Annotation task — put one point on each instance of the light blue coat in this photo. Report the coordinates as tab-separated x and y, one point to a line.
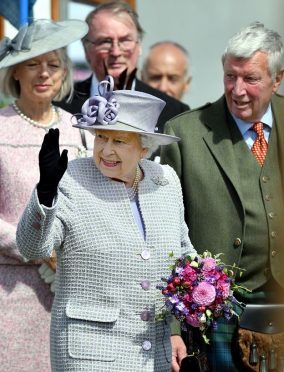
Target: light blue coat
100	304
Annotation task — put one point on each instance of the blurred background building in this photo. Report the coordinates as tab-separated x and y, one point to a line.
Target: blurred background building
203	27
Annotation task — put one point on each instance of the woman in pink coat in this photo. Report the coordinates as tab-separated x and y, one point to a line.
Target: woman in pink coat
36	71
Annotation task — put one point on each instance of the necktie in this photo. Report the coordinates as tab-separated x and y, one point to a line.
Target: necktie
259	147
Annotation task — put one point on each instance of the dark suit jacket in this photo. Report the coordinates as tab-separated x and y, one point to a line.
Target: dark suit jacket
82	92
205	161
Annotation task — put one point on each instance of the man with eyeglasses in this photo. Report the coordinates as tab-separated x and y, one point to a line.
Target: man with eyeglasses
113	46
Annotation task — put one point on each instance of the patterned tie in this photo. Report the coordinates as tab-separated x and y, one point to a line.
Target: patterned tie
259	147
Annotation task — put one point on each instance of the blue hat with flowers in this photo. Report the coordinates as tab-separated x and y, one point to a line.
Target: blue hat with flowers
123	110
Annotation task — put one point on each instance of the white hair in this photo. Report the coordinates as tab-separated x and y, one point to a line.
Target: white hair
150	143
256	37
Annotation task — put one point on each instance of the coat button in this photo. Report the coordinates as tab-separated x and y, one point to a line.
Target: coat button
271	215
145	315
273	253
267	197
237	242
265	178
145	254
273	234
146	345
36	225
145	284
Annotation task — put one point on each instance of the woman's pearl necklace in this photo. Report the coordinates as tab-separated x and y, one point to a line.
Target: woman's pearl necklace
132	191
37	123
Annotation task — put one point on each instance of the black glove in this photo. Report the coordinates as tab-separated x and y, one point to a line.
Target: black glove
52	166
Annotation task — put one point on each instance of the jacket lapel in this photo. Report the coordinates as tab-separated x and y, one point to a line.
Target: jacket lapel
219	140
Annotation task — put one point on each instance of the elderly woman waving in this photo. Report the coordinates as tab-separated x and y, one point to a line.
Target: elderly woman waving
113	220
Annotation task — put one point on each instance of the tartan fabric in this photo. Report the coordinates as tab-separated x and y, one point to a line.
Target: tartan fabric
223	352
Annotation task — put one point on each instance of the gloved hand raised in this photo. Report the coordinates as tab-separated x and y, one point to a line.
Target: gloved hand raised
52	166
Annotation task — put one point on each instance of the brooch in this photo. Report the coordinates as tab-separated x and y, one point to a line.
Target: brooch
161	181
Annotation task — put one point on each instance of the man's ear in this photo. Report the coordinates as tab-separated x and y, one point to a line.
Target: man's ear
278	79
187	85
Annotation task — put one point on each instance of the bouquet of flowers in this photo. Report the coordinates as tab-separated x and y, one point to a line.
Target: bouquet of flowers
200	290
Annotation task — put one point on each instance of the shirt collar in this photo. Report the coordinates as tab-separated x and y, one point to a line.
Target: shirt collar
244	126
94	86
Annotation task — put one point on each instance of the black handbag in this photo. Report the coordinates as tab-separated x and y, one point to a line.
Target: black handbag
196	360
195	363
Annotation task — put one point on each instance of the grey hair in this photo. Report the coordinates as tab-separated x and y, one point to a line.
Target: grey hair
150	143
116	7
11	87
253	38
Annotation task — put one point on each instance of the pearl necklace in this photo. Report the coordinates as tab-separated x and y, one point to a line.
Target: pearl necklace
34	122
132	191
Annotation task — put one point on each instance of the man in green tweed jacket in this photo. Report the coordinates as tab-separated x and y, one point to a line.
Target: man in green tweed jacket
233	203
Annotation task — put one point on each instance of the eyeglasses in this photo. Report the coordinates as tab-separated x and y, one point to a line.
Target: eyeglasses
105	45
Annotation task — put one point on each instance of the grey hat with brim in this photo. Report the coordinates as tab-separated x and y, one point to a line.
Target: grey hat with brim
40	37
123	110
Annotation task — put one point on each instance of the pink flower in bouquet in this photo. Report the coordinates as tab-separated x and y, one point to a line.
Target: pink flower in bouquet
187	297
189	273
224	288
193	320
209	264
204	294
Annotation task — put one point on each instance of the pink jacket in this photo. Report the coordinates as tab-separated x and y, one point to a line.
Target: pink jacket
25	300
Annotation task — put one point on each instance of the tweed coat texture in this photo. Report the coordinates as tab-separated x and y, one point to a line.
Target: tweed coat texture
25	299
102	262
205	161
